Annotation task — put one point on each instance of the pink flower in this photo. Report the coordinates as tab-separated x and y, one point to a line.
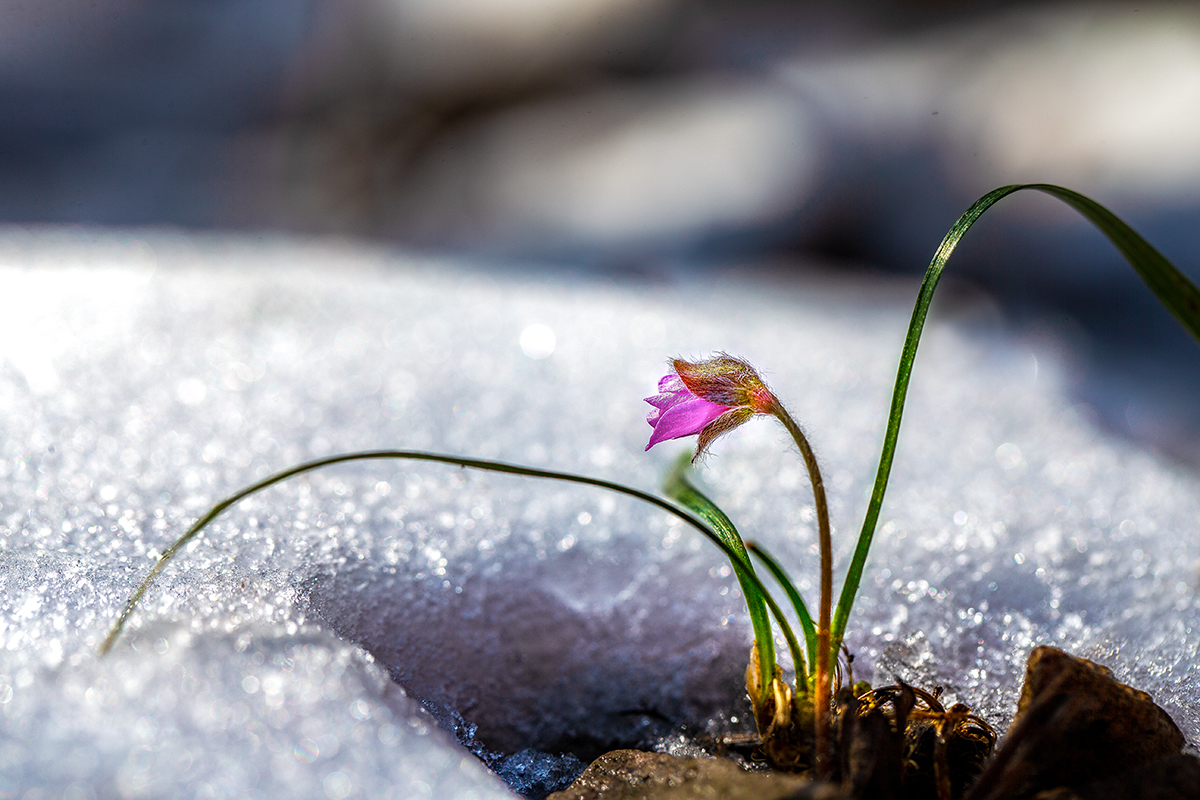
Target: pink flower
678	413
708	398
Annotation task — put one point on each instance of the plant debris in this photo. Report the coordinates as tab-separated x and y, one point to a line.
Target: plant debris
1078	734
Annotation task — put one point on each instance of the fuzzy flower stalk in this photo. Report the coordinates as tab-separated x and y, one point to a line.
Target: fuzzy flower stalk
708	399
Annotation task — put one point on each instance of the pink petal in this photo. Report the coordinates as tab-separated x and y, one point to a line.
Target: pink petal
685	418
668	400
672	392
670	383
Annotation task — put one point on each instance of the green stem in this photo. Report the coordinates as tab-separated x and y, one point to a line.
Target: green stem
417	455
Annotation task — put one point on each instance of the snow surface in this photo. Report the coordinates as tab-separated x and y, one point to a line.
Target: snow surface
142	379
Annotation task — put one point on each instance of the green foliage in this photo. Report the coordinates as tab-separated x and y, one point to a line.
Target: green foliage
736	556
789	588
1172	287
1177	293
681	490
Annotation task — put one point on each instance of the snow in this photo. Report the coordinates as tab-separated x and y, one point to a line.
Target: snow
363	630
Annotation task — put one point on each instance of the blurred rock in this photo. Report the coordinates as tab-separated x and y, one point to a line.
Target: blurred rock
1173	778
633	136
613	169
434	47
1076	725
1104	98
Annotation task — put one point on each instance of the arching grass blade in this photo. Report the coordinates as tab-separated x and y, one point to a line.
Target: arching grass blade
681	490
1172	287
789	588
418	455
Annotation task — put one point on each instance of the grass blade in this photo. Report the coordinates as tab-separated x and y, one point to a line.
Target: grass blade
419	455
1172	287
681	490
806	620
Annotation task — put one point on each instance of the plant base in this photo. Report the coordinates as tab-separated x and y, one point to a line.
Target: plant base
1078	734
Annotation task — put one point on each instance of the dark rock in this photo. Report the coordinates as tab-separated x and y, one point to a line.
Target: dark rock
634	775
1077	727
1171	778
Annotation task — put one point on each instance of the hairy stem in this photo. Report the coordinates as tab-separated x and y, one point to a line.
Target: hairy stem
825	541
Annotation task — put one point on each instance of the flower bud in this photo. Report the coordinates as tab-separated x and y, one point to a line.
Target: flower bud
707	398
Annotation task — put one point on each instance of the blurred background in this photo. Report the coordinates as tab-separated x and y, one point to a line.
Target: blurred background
651	140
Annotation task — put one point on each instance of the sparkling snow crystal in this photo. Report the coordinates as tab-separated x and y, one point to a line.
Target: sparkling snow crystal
362	631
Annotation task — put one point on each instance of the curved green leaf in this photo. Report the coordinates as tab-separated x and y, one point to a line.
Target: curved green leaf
789	588
1172	287
418	455
681	490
